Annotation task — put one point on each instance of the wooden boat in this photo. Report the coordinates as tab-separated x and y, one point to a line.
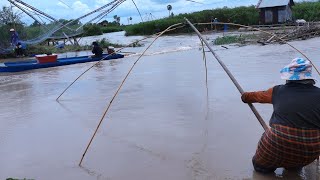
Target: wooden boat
47	63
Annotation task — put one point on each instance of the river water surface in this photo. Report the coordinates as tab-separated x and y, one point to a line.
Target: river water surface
162	125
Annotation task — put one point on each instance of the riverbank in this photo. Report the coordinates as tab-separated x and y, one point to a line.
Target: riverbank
241	15
161	126
120	40
219	38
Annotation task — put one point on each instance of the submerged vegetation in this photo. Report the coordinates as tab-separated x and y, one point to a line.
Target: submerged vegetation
242	39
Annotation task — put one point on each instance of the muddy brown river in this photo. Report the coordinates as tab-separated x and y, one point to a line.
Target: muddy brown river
161	126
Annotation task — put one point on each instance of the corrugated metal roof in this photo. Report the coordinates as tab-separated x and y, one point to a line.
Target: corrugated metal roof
273	3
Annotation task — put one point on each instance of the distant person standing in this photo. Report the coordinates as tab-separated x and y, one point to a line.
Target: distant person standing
225	27
14	37
215	21
14	40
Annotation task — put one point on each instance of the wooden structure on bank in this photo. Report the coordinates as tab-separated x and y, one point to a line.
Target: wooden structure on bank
76	38
275	11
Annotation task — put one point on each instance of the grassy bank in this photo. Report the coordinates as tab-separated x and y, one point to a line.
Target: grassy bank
94	29
240	15
243	15
112	29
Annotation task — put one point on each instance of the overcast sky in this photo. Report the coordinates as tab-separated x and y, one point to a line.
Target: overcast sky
150	9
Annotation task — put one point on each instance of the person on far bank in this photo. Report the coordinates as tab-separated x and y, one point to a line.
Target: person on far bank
215	21
96	50
293	139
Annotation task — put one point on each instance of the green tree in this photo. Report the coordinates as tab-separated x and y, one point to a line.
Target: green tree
7	16
115	18
92	29
35	24
118	20
308	11
169	7
9	19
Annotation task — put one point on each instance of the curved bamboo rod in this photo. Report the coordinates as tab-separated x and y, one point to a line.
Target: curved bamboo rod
119	88
254	110
57	99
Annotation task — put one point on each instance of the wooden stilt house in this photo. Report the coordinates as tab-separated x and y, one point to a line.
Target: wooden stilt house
275	11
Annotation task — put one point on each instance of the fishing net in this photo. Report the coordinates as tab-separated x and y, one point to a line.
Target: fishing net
49	27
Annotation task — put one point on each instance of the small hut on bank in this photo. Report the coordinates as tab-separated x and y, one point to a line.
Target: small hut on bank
275	11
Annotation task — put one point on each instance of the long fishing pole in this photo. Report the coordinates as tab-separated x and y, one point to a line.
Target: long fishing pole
254	110
272	34
138	10
119	88
172	29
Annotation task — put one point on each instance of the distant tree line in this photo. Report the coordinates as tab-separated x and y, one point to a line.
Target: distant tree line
246	15
309	11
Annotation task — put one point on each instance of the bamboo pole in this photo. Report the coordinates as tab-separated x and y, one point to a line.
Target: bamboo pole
124	80
137	10
254	110
205	65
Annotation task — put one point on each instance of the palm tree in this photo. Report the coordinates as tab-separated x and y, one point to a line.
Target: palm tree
169	7
115	17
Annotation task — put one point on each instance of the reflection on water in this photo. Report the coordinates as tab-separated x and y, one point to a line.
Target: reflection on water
161	126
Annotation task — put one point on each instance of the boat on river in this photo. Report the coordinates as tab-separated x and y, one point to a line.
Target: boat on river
47	61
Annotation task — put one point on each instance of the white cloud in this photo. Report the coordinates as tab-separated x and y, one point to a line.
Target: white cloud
62	5
102	1
79	6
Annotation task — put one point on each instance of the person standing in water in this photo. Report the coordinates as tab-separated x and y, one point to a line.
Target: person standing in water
293	140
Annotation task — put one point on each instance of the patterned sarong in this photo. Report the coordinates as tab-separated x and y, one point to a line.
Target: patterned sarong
287	147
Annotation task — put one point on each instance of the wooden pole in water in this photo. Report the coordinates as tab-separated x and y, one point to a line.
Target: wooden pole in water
254	110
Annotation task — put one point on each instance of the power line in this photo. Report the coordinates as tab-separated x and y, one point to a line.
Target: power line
65	4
